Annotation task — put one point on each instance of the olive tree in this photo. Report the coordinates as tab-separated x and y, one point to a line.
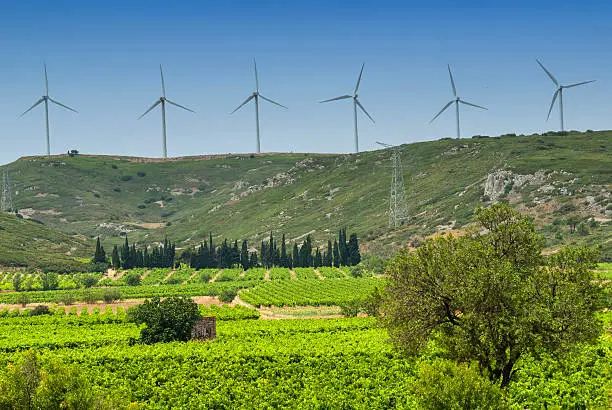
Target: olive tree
166	320
491	296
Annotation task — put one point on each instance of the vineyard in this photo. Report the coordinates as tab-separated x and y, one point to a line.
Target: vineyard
337	363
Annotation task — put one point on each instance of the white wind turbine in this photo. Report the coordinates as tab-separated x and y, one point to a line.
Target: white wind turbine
455	101
256	96
355	104
163	100
46	99
559	93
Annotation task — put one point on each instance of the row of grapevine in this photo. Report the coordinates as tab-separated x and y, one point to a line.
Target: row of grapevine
310	292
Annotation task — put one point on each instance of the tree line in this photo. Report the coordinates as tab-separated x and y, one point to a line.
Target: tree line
340	252
129	257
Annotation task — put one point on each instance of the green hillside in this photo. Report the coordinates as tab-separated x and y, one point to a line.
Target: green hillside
26	243
551	177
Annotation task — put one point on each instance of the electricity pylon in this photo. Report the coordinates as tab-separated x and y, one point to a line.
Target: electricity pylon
398	207
6	204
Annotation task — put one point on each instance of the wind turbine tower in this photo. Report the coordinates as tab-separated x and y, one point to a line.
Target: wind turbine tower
455	101
6	204
163	100
398	206
46	99
356	104
559	93
256	96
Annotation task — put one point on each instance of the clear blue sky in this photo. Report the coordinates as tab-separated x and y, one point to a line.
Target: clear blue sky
103	58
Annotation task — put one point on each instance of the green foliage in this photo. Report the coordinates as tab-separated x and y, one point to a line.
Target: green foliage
350	308
491	297
444	385
66	298
132	279
166	320
227	295
111	295
40	310
23	299
50	280
88	281
26	384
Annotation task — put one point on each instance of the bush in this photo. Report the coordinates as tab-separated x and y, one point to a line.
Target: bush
357	271
227	295
66	298
23	299
173	281
166	320
88	281
351	308
91	296
26	384
40	310
50	281
132	279
204	278
17	282
111	295
446	385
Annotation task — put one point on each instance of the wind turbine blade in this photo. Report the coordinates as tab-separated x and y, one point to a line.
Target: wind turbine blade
344	97
273	102
245	101
256	76
554	80
153	106
384	145
46	80
452	81
576	85
442	110
364	110
473	105
359	79
162	80
62	105
30	109
552	104
178	105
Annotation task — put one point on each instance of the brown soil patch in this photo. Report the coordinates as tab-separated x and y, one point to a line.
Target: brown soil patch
292	273
319	274
216	276
267	275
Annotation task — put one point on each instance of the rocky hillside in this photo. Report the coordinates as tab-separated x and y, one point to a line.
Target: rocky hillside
562	181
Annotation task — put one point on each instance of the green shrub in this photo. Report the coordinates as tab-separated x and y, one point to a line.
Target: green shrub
166	320
111	295
351	308
40	310
66	298
88	281
91	296
446	385
227	295
132	279
23	299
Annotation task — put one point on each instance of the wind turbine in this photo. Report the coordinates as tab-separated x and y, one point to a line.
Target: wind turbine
45	99
163	100
355	104
456	101
256	95
559	92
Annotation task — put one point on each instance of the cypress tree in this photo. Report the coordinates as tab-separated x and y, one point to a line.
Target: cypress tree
353	247
283	254
125	254
329	257
318	260
296	256
253	261
244	255
344	254
236	254
264	254
211	252
99	255
115	258
336	255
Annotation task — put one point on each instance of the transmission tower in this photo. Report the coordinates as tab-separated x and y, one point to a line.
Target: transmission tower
6	204
398	207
